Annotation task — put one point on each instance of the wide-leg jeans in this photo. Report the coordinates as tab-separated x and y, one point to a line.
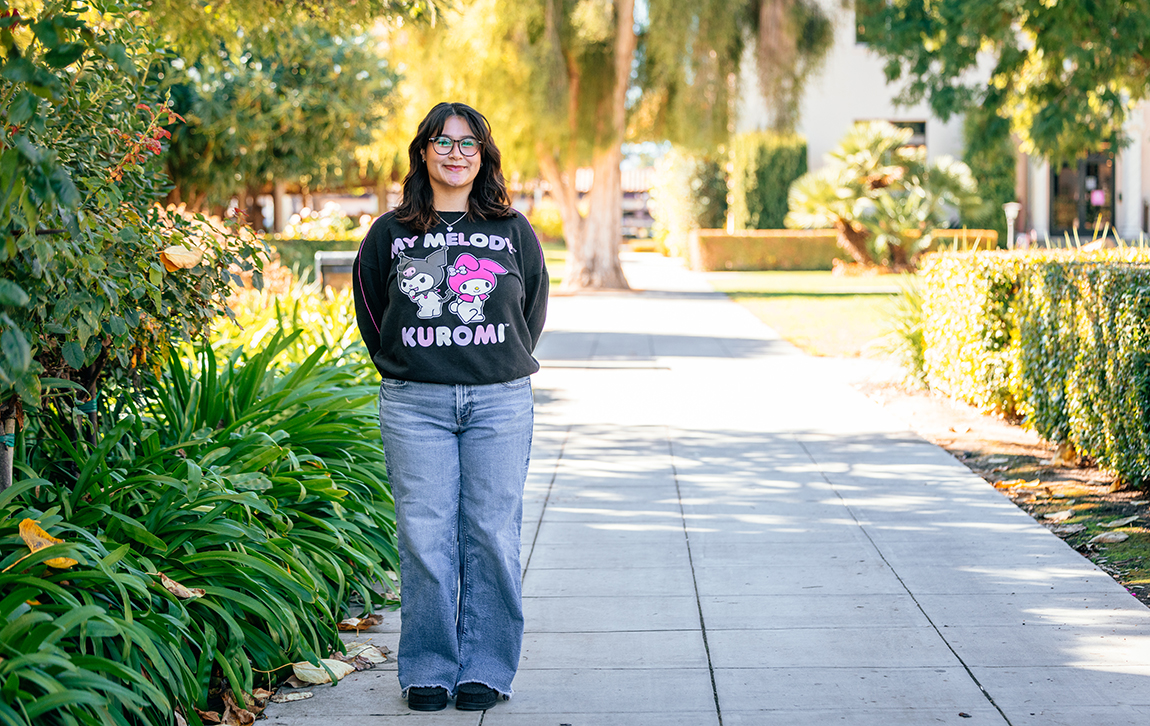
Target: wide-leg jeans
457	459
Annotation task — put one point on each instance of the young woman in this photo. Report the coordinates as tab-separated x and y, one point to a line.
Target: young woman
450	297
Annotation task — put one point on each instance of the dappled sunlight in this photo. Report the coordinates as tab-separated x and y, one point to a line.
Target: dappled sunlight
613	527
1088	617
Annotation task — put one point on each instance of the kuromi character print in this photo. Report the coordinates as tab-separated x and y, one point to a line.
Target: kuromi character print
418	279
471	280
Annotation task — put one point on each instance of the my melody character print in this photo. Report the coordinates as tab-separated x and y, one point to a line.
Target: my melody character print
418	279
471	280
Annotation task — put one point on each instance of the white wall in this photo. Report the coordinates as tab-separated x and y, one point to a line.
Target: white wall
850	87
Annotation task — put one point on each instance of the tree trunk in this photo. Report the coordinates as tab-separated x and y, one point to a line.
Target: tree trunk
853	240
593	263
593	252
280	205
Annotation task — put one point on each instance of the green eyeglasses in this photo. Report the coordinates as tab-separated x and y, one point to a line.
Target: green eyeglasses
468	146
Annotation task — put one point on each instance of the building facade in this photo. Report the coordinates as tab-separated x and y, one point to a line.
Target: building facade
1057	198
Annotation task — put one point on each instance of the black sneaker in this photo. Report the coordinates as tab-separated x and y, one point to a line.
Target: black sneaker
475	697
433	698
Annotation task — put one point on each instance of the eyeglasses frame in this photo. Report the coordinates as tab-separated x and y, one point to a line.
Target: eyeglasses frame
455	143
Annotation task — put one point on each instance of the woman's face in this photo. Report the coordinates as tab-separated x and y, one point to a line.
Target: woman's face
452	172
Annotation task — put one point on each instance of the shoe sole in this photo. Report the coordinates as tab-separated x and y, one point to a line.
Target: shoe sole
427	706
475	706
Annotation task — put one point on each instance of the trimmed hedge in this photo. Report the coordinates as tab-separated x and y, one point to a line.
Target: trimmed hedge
763	166
768	249
1058	338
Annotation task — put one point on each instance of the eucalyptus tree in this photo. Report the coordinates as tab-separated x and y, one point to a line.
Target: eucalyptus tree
566	82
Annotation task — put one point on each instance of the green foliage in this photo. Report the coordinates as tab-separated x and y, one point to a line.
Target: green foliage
906	342
296	110
262	483
88	293
1067	74
690	192
764	165
1057	338
989	152
883	192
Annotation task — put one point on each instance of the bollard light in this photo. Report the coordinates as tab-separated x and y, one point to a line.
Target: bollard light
1011	209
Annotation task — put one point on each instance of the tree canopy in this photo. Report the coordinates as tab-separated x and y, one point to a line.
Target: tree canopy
1065	73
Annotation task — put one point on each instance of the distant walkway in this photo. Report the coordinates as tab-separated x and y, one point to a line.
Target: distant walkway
718	530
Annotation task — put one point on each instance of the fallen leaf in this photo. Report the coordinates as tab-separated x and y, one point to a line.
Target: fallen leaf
178	257
1110	538
37	539
180	720
1059	516
1065	455
358	624
184	593
309	673
261	694
289	697
209	716
1121	522
234	714
367	651
295	682
1068	529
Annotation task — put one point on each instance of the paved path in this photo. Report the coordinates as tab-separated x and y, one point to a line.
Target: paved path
718	530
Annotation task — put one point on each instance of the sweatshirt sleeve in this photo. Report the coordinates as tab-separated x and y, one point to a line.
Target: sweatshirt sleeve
369	299
536	287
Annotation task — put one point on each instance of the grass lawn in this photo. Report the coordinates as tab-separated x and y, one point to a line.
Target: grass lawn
555	255
817	311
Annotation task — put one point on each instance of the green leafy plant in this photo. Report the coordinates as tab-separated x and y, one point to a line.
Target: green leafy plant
690	192
883	198
1055	338
764	164
100	280
261	483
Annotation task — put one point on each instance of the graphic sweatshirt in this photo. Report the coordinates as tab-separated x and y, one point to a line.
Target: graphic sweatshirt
458	304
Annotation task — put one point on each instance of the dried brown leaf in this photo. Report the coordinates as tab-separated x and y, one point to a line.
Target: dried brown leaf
209	716
358	624
184	593
289	697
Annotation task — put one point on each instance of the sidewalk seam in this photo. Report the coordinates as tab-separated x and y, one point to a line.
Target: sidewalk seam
694	580
546	500
965	667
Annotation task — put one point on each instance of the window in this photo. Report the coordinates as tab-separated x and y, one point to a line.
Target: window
1082	194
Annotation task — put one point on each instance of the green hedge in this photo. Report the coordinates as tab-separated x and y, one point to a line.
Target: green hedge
763	166
1059	339
767	249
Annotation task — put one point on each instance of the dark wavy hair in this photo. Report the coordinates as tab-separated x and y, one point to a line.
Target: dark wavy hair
488	199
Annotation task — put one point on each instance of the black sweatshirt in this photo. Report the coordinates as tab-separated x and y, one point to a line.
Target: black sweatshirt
464	306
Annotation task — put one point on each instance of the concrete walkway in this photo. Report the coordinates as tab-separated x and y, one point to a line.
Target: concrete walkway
719	530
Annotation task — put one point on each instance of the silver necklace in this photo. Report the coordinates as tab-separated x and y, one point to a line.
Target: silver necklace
452	224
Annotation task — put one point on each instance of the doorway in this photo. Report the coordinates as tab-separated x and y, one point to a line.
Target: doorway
1082	195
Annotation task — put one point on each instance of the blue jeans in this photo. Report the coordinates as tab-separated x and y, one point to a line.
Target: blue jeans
457	460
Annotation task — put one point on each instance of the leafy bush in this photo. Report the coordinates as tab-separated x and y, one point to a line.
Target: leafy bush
764	164
990	154
1057	338
690	192
96	276
262	483
884	198
764	249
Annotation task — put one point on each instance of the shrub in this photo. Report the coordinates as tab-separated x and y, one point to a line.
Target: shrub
690	192
1058	338
763	166
884	198
262	483
767	249
990	155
